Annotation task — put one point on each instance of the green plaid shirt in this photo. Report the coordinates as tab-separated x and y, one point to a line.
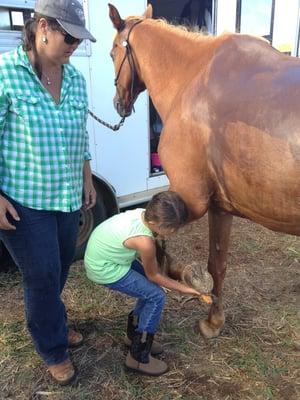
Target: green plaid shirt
43	145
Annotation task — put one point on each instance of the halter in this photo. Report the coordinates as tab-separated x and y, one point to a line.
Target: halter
132	68
129	56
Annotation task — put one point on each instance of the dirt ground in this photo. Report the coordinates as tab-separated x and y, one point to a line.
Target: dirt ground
256	357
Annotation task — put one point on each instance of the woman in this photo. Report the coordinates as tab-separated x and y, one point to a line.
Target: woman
44	168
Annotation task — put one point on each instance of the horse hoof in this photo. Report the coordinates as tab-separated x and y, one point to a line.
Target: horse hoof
198	277
208	331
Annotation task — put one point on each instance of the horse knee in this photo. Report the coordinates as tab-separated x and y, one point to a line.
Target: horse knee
216	268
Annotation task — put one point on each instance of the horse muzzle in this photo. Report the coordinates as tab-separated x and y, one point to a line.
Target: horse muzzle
121	108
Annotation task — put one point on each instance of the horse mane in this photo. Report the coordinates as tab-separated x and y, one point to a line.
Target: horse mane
191	32
188	29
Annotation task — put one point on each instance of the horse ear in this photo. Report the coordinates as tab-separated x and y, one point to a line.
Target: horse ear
149	12
117	21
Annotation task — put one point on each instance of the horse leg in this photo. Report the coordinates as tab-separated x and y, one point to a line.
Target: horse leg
219	233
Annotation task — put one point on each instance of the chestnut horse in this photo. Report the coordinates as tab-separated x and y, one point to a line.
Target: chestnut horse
230	143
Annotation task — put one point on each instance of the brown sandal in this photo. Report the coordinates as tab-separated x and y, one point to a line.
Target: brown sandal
62	373
75	339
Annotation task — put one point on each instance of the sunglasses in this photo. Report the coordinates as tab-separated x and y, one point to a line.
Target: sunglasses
68	39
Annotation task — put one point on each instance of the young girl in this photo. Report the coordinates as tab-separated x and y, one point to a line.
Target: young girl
110	259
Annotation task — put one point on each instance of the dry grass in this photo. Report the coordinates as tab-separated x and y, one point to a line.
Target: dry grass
255	357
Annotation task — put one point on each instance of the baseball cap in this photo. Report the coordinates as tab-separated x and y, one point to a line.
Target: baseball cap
68	13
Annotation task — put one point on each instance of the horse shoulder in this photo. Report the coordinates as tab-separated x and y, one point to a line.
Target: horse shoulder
183	157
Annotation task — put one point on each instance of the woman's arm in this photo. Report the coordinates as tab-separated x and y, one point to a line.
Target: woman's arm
5	206
4	104
146	248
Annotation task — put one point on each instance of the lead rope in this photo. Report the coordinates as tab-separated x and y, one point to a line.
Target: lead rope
115	127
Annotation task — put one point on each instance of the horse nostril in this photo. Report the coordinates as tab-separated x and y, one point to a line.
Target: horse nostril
118	107
116	104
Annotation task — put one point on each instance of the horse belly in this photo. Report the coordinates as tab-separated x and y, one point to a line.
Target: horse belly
258	176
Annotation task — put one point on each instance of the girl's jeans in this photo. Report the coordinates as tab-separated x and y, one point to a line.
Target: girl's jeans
150	297
43	247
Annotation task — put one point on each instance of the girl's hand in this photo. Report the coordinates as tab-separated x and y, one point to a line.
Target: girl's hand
192	291
206	298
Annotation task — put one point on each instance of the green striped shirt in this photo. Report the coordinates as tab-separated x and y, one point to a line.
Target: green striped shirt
43	145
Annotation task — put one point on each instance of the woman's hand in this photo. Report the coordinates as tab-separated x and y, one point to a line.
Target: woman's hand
89	192
7	208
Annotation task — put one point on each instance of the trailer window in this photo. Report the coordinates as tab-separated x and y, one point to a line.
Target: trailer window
298	42
155	131
256	17
13	15
13	19
196	15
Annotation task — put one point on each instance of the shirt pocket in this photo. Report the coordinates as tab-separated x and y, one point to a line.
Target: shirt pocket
26	107
78	110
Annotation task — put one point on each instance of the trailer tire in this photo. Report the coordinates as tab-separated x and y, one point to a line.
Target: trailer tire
88	221
6	262
106	206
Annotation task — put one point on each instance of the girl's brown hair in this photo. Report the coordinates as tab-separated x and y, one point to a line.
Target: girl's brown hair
168	210
29	34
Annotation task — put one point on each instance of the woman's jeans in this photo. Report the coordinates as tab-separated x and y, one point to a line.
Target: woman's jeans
151	297
43	247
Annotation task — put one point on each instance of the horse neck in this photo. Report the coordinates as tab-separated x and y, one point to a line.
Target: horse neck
164	61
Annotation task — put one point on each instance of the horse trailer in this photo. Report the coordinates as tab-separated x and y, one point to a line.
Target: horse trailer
125	164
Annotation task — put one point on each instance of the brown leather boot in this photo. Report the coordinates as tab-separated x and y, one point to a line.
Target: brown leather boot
132	324
75	339
62	373
138	358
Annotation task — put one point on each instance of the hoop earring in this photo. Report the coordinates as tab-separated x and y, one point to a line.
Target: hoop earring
45	40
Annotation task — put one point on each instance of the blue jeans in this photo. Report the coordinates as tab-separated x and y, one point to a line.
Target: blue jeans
43	247
151	297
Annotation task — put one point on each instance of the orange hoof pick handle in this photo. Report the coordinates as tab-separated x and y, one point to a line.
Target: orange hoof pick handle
206	298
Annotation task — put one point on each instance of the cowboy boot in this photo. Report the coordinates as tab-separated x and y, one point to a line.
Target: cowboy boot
139	359
132	324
